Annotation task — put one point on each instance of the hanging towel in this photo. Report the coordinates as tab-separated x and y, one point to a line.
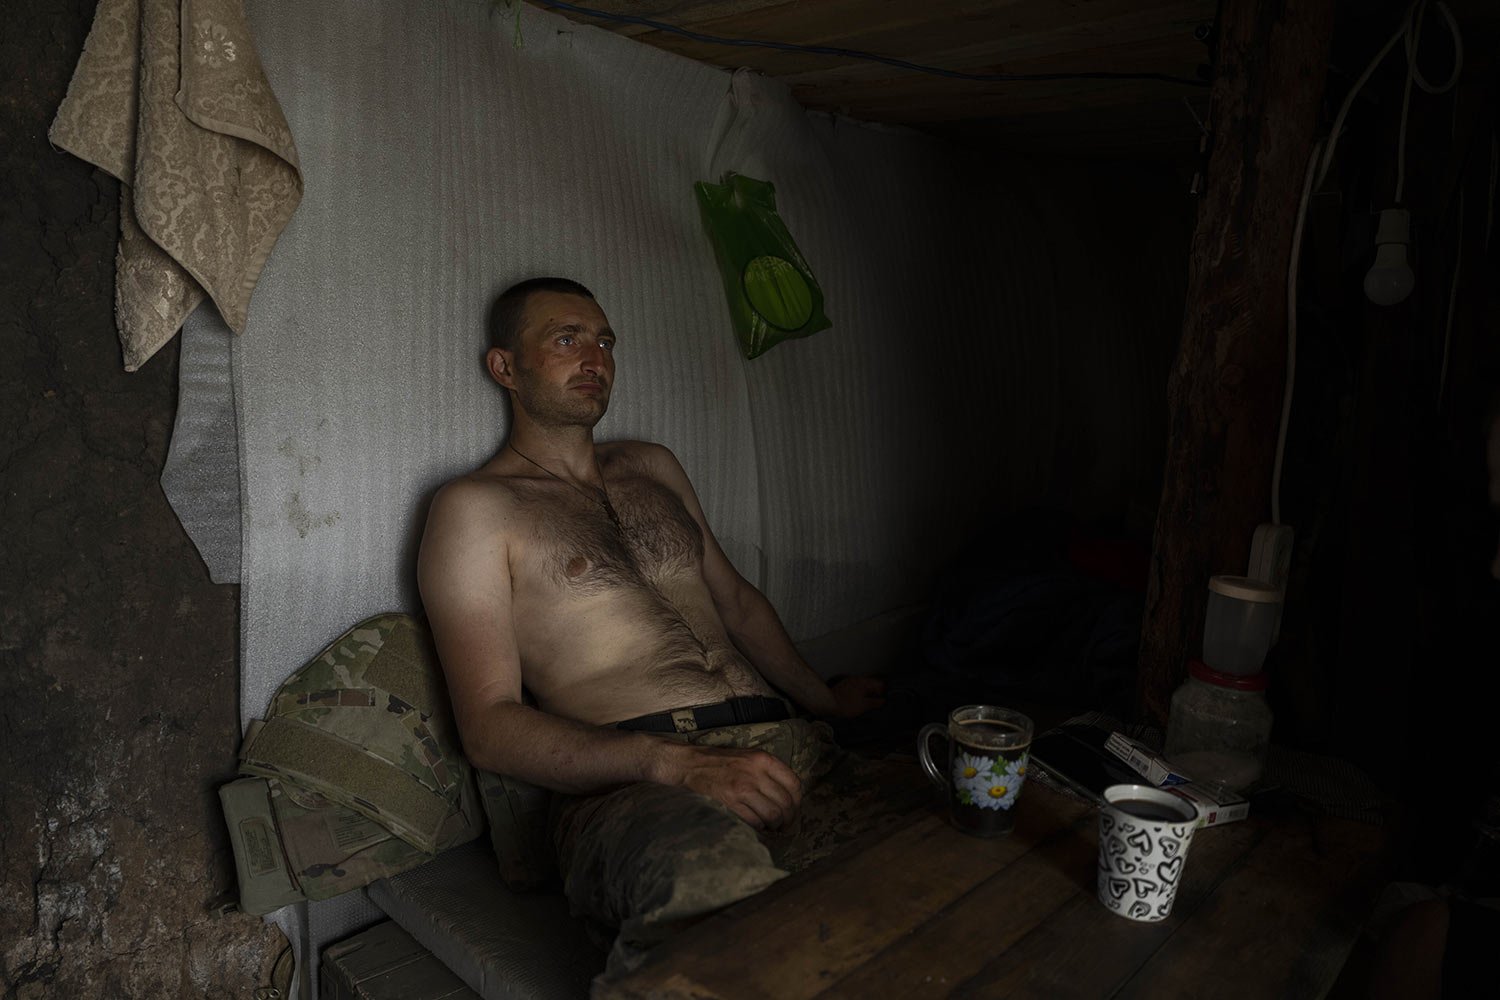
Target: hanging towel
169	97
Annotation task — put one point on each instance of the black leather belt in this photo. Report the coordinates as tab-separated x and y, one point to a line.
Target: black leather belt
734	712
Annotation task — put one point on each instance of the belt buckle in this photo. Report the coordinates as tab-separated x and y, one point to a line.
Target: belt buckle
685	720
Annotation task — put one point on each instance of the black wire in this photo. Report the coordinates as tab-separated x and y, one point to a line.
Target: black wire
830	50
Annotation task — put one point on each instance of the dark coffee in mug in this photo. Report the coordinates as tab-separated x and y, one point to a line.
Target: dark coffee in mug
988	748
1153	812
987	766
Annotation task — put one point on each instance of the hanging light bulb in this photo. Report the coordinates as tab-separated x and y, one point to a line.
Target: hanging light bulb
1389	279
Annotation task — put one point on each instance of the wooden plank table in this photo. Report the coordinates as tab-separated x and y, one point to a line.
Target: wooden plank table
1268	907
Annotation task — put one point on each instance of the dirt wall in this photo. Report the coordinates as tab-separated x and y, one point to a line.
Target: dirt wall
117	655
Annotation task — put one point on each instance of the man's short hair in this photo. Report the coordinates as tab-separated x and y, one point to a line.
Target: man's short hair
509	309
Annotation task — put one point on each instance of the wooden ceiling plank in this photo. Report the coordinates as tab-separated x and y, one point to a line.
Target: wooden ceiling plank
1160	57
924	32
963	53
905	109
1172	43
679	13
873	98
1166	55
1172	53
1136	118
829	20
920	30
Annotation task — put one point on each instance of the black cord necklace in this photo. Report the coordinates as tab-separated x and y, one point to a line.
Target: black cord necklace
609	508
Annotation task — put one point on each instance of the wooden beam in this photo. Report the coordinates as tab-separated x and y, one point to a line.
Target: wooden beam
1224	392
965	102
1119	36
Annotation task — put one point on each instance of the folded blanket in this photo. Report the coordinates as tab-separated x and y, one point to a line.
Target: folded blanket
169	97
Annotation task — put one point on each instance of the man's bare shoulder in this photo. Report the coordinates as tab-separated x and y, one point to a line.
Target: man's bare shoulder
479	499
640	458
469	531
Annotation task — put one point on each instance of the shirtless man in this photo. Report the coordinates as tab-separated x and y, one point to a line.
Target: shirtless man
587	572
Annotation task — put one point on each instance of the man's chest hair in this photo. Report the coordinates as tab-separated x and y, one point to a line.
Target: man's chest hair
574	545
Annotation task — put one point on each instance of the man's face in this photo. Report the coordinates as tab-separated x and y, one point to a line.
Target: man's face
563	367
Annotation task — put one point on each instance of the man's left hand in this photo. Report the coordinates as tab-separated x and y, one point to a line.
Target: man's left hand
855	695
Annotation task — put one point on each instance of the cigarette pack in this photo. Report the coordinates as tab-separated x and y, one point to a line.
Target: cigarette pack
1214	808
1150	765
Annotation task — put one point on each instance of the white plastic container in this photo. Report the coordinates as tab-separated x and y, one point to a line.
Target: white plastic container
1219	729
1240	625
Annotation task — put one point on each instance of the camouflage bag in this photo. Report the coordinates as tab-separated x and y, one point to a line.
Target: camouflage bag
265	879
291	844
361	774
366	724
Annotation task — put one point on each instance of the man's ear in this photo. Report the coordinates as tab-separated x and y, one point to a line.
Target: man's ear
501	364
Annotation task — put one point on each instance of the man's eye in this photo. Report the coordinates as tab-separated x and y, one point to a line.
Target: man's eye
608	345
565	341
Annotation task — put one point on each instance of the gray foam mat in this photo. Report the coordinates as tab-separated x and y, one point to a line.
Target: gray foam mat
448	152
504	945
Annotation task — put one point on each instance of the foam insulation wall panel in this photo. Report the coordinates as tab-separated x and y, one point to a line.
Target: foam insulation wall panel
444	161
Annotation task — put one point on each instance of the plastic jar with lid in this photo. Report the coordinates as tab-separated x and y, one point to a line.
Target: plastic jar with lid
1219	728
1240	624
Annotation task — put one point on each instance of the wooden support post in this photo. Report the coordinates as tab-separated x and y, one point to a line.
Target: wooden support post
1224	392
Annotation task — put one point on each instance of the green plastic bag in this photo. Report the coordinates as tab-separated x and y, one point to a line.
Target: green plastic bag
772	293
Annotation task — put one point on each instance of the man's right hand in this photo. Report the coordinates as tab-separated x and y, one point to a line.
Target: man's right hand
753	784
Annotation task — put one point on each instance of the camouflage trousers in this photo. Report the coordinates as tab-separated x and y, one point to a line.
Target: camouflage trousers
652	859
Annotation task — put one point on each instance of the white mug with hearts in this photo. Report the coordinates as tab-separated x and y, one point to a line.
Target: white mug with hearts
1144	835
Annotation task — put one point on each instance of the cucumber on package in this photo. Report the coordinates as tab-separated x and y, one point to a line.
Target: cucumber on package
772	293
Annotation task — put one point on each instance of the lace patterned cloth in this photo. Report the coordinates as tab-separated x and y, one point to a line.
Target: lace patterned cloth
169	97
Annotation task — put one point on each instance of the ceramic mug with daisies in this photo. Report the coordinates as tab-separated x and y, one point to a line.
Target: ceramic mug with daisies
987	752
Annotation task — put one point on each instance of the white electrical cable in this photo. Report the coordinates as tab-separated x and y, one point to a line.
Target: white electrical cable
1458	56
1338	121
1409	31
1458	266
1313	179
1413	39
1458	263
1489	211
1291	332
1414	75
